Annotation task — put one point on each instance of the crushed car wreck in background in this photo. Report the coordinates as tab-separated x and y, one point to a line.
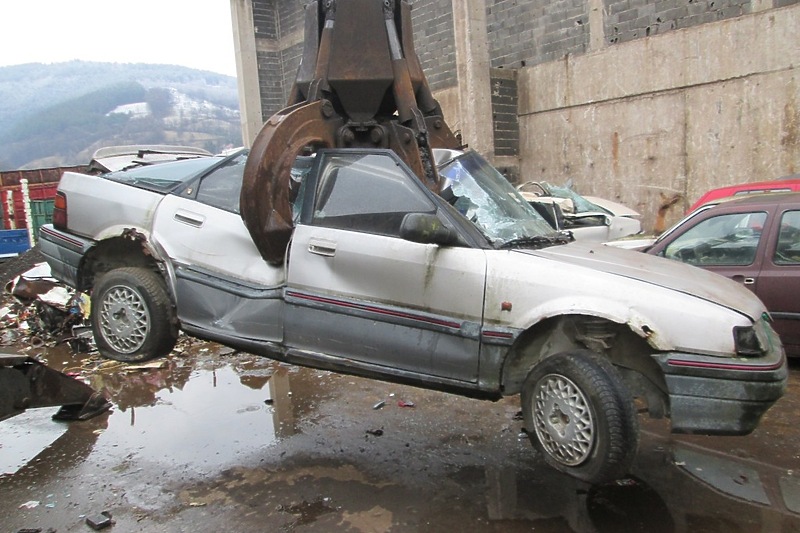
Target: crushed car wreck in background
567	210
372	262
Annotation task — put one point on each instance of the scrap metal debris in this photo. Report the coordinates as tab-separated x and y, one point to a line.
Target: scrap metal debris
32	504
101	521
26	383
38	308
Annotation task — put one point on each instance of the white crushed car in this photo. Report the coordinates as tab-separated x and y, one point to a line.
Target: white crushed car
469	291
589	219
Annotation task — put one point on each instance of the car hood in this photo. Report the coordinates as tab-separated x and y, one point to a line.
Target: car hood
657	271
614	208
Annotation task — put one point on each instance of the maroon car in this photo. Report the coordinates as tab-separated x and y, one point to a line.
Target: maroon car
754	240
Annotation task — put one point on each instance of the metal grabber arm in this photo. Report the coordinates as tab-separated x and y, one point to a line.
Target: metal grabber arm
360	84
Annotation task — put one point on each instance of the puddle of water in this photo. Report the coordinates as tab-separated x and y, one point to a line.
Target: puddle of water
178	416
439	466
204	423
24	436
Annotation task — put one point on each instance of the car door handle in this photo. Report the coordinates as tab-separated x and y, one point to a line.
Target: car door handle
322	247
743	280
189	218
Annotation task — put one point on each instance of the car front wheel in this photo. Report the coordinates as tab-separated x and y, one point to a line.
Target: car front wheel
579	414
132	315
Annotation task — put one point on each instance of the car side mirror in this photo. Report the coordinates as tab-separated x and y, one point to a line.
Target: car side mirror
567	205
426	228
551	212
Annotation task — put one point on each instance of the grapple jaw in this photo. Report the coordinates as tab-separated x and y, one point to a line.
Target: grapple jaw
26	383
360	84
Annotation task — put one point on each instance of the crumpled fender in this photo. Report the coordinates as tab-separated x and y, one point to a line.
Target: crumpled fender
640	324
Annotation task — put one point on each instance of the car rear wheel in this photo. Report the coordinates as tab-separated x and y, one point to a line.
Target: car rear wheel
132	315
579	414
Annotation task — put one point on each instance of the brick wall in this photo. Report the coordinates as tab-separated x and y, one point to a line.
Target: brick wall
434	41
627	20
264	19
270	83
277	20
504	112
528	32
520	32
291	16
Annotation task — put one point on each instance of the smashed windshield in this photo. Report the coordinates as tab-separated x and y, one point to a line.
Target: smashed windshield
483	195
582	205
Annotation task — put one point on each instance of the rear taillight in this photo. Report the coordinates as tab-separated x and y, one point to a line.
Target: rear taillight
60	211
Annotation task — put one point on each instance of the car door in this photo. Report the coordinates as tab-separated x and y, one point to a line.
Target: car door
779	280
730	243
356	290
222	283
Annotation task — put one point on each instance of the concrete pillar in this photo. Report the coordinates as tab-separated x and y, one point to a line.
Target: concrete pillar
472	67
597	27
244	42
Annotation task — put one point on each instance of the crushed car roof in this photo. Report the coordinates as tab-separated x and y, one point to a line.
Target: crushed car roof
112	158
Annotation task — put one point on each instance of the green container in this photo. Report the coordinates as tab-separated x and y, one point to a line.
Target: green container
41	214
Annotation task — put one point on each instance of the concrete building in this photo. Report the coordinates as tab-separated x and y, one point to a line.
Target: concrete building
634	100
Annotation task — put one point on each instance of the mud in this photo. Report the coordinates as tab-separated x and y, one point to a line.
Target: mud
211	440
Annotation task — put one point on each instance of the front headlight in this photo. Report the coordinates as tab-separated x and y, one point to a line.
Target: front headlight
747	342
753	341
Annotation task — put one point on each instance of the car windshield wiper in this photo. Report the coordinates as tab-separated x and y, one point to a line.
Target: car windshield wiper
539	241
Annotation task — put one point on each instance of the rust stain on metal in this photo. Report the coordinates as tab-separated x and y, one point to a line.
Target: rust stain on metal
666	204
137	236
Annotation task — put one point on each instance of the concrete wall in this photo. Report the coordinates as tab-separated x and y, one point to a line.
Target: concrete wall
675	114
635	100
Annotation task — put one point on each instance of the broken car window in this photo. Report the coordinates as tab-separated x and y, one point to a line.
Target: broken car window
367	192
581	204
221	188
484	196
164	177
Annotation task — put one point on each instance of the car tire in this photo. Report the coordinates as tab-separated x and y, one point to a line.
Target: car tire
579	414
132	316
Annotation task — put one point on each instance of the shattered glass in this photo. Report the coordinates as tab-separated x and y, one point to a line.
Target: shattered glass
582	205
484	196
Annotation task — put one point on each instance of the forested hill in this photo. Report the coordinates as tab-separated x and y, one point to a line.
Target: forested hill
58	114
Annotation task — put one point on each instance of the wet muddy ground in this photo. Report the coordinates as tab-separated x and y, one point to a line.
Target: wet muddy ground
212	440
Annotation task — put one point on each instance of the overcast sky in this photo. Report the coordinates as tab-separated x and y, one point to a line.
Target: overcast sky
191	33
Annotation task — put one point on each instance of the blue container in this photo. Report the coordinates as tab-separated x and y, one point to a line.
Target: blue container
13	242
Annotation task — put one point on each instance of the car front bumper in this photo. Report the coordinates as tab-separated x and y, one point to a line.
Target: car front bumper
722	396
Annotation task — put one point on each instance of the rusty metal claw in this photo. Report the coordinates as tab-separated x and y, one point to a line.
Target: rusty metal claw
265	204
360	84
